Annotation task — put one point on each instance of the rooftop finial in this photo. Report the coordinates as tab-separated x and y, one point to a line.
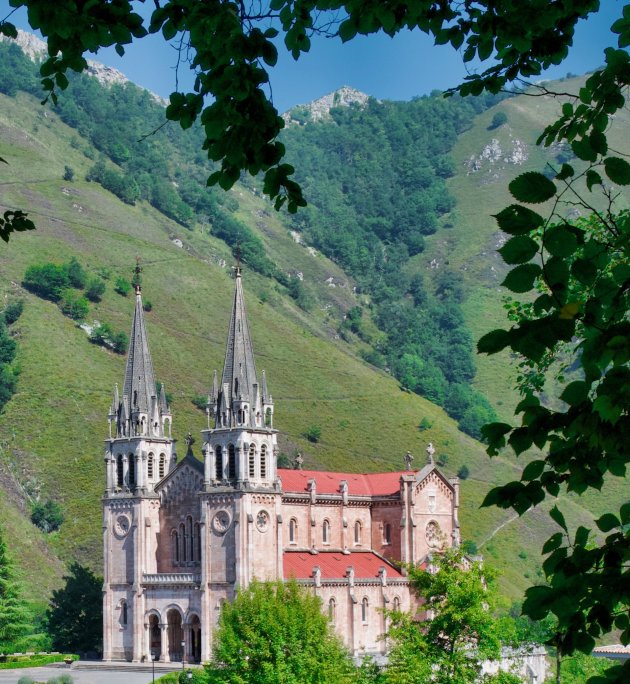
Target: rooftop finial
136	280
237	254
190	440
431	452
408	460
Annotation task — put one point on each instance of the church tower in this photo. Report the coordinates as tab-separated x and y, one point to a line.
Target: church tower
139	453
241	491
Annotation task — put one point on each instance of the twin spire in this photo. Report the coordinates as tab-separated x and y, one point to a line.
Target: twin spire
238	401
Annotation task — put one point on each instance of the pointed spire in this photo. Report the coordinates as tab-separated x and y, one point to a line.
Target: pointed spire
265	392
163	404
115	401
139	385
239	369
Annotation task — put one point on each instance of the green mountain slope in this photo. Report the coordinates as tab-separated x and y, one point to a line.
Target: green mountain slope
51	430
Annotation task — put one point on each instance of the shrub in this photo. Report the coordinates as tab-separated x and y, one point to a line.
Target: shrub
283	461
13	311
313	433
442	460
76	274
498	120
122	286
47	516
46	280
95	289
463	473
120	343
425	424
68	173
74	306
469	547
146	305
200	401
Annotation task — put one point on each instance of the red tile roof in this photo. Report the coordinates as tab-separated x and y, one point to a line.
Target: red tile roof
334	564
372	484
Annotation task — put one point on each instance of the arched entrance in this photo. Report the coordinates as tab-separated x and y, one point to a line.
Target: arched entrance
194	653
155	637
175	635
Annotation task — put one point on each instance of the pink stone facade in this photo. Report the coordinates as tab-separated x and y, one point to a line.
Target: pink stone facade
180	536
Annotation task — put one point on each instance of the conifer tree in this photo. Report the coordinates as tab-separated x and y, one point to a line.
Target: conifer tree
14	616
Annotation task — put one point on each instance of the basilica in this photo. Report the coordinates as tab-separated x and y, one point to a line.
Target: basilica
182	534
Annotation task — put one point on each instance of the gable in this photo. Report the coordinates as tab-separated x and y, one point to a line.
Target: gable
181	484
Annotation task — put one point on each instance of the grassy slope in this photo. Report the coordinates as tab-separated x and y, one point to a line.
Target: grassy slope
470	248
53	427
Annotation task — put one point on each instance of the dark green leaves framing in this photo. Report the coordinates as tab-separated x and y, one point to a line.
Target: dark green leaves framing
532	187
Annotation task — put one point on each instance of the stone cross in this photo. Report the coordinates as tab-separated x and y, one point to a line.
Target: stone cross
431	451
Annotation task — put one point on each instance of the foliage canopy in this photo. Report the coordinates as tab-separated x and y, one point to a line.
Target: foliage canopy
275	633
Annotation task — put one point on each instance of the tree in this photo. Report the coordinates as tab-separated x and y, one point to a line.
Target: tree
231	47
14	616
68	173
498	120
95	289
122	286
48	515
76	273
276	633
75	614
460	631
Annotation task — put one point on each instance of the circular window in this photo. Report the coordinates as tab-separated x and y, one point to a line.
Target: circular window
122	525
434	535
221	522
262	521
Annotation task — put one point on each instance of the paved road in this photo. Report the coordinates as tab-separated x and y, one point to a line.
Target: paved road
43	674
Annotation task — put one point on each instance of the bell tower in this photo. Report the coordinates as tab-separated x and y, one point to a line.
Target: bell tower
140	452
241	491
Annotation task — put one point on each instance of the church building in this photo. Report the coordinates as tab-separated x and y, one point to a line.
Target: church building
181	535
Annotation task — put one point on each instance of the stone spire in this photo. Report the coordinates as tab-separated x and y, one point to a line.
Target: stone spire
238	400
141	410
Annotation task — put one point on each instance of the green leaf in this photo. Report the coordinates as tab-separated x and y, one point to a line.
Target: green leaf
518	220
493	342
592	178
519	250
560	241
556	515
625	513
533	470
347	30
618	170
120	49
565	172
521	279
607	522
532	187
554	542
575	393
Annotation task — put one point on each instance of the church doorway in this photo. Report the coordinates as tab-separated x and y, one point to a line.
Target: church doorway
155	637
195	639
175	635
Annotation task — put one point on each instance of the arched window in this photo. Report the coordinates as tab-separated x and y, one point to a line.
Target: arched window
162	466
231	462
251	460
150	467
182	543
364	610
326	532
387	533
293	531
357	532
120	473
175	543
268	417
396	605
197	542
124	615
263	461
191	540
236	387
332	610
132	470
218	463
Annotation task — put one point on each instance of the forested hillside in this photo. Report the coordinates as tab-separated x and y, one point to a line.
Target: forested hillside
367	297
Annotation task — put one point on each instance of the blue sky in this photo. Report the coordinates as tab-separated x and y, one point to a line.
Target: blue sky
396	69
